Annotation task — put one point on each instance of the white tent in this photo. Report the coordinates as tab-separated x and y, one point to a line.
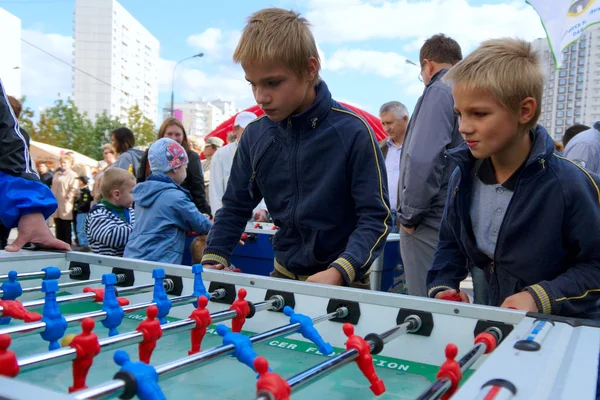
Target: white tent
48	153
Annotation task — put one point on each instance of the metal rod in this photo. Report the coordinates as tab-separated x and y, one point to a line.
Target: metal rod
318	371
33	289
187	363
114	342
27	276
442	385
73	298
37	327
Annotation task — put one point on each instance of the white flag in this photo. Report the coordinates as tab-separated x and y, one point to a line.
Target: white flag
565	21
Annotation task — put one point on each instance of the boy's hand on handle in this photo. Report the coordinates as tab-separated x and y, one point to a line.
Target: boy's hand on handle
521	301
213	266
452	293
330	276
33	229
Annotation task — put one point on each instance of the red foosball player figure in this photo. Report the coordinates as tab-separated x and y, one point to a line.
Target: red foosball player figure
8	359
450	369
203	319
87	346
364	359
14	309
270	383
242	309
152	331
99	292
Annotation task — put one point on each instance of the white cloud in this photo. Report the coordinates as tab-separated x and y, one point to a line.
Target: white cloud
362	20
385	64
216	43
193	84
44	77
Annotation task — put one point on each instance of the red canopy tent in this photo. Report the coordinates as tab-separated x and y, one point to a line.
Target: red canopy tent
223	130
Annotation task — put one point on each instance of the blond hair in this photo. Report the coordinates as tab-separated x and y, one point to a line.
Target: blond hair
67	158
509	68
277	36
114	179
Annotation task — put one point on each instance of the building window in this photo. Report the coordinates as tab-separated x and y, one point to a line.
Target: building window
560	114
572	72
551	77
577	120
561	97
578	112
573	47
562	74
578	104
581	62
572	80
559	122
560	106
579	95
558	131
569	122
580	86
569	113
569	105
573	56
562	82
571	89
571	97
582	43
580	70
562	90
582	53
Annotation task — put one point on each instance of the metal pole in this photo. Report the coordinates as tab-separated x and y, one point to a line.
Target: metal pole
114	342
173	80
442	385
27	276
411	324
185	364
37	327
72	298
33	289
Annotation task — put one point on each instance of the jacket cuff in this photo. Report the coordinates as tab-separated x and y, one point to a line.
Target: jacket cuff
347	266
542	295
415	215
213	257
440	286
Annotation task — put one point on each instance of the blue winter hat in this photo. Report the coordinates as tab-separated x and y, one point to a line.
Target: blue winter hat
165	155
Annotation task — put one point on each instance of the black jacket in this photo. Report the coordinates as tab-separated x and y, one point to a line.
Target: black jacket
323	179
548	242
194	182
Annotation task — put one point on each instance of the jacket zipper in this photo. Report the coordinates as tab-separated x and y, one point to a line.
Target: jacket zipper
262	157
296	194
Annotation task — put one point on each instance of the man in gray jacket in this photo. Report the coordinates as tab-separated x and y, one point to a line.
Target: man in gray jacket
424	171
584	149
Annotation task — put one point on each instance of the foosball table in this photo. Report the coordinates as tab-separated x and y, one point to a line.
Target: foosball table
82	326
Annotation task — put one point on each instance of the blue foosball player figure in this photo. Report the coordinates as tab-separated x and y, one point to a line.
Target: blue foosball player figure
243	346
308	330
138	375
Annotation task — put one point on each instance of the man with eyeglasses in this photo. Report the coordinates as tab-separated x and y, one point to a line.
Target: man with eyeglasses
424	172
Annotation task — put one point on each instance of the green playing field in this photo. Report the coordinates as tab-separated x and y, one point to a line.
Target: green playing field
226	378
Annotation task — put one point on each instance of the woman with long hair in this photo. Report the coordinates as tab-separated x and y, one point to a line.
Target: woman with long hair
123	140
194	183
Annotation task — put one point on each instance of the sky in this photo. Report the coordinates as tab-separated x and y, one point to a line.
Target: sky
364	44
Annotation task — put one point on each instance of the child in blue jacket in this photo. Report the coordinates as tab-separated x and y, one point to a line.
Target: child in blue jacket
516	209
164	210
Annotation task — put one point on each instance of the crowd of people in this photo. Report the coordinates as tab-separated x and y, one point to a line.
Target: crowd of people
470	181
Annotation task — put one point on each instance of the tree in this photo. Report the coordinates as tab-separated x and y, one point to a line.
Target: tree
102	128
141	126
64	126
26	120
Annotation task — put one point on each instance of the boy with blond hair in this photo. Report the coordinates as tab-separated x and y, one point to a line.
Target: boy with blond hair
515	207
316	164
110	222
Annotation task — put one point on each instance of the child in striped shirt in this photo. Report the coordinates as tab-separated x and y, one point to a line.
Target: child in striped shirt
110	222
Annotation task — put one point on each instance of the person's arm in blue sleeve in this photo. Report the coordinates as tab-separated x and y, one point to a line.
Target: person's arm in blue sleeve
231	219
26	202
